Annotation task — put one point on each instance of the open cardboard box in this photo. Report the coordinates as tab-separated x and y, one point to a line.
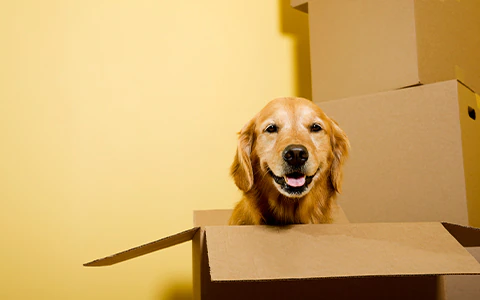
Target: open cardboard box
369	46
328	261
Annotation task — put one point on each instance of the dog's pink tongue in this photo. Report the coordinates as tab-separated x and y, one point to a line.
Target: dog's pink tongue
295	181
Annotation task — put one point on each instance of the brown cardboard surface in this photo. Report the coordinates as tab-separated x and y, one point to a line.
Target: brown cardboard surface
211	217
338	215
202	285
334	250
407	161
214	217
468	99
448	35
162	243
464	287
364	47
360	47
357	286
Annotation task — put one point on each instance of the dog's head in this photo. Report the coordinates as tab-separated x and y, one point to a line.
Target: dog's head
290	145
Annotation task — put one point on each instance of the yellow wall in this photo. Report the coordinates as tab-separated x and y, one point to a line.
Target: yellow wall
117	119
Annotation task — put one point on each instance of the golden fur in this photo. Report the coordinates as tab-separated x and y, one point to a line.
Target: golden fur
259	160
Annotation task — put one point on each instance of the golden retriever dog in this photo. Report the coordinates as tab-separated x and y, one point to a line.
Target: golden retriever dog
288	165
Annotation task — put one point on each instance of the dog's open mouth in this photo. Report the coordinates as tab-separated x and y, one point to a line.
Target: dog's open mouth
294	183
295	179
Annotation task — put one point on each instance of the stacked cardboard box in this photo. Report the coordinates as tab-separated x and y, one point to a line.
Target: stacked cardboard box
402	78
369	46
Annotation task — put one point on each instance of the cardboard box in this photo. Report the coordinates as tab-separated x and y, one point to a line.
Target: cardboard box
363	47
464	287
415	154
332	261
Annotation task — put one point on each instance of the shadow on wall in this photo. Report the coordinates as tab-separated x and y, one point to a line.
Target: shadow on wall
294	23
177	290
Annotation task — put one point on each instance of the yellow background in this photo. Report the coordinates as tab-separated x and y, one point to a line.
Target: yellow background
117	119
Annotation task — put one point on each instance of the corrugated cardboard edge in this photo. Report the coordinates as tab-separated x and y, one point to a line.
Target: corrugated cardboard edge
438	275
162	243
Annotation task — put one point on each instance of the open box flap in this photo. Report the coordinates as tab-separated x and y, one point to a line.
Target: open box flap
162	243
465	235
239	253
212	217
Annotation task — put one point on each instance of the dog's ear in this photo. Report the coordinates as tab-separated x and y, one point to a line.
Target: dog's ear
241	169
340	148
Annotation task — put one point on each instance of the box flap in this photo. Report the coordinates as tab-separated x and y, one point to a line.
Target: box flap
465	235
334	250
213	217
162	243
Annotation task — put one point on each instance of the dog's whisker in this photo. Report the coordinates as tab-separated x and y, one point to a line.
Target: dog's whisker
262	173
265	173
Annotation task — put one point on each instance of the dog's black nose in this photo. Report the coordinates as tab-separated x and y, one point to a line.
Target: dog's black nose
295	155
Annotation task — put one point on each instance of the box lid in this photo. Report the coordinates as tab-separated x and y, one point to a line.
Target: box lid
162	243
238	253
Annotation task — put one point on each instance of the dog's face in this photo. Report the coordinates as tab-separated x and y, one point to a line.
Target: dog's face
291	144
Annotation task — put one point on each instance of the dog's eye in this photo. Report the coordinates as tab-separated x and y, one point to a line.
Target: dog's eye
315	127
271	128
